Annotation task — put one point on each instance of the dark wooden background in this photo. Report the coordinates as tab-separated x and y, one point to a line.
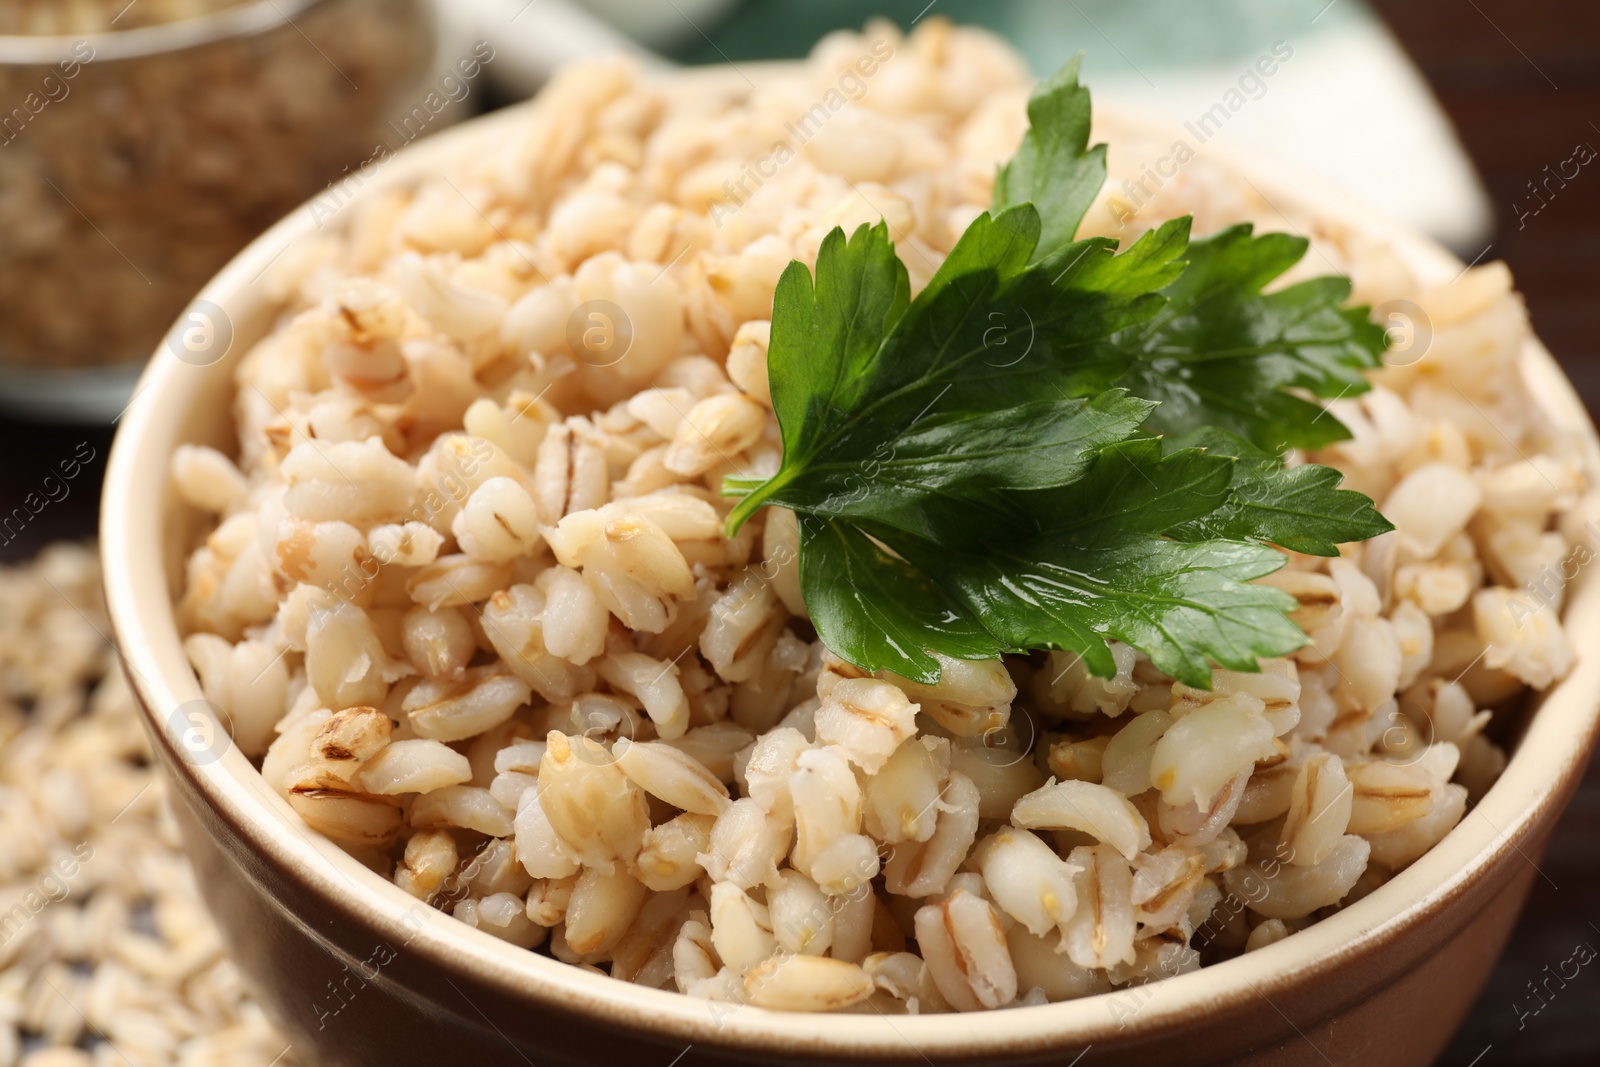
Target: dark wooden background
1521	80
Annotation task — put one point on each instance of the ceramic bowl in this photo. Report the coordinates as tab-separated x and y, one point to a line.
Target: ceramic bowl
359	974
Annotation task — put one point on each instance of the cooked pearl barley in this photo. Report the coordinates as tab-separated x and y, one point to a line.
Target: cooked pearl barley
1268	933
591	804
746	845
437	643
1401	846
1164	886
1081	761
1369	664
705	745
905	977
405	544
1096	810
694	961
573	622
502	915
601	908
345	659
1522	636
248	681
331	807
548	899
1413	631
1431	505
902	799
644	955
741	928
643	552
672	776
1205	749
632	564
416	765
667	858
1040	965
1003	776
352	735
655	684
680	516
827	802
457	579
208	479
430	858
806	983
570	474
1280	891
1319	810
465	806
1027	879
358	482
856	916
456	709
1125	765
1276	685
540	849
1194	824
498	522
971	699
743	626
846	865
923	869
1387	795
1099	933
747	361
715	430
714	747
866	718
768	770
1067	684
513	621
965	949
802	916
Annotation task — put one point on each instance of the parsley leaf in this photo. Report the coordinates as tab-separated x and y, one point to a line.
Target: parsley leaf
1300	508
1224	353
1099	567
881	609
1054	165
973	470
940	414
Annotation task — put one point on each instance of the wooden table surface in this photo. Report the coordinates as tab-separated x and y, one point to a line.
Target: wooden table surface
1521	80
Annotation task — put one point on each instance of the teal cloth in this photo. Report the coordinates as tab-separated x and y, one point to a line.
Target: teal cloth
1117	35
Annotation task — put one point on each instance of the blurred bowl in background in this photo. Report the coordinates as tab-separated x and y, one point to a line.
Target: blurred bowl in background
135	163
662	26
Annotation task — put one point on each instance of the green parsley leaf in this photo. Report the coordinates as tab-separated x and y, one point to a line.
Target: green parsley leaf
1224	353
881	609
1054	165
965	395
1183	605
972	469
1098	570
1301	508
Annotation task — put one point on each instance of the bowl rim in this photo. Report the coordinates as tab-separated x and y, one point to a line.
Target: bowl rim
1550	755
243	20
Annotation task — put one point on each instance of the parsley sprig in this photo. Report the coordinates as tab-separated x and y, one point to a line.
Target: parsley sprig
1055	443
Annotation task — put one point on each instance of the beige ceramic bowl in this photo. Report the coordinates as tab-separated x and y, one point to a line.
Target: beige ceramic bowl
358	973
